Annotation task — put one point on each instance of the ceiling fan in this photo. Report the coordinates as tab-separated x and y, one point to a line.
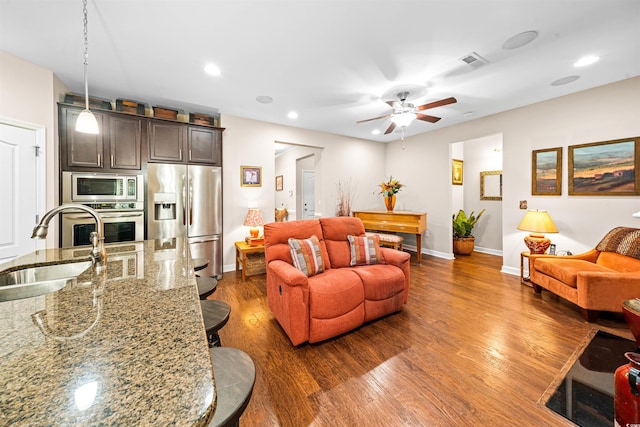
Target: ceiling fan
404	112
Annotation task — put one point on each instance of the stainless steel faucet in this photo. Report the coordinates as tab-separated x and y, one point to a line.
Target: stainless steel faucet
98	252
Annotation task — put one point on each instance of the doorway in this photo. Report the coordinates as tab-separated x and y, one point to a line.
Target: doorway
308	194
22	173
295	193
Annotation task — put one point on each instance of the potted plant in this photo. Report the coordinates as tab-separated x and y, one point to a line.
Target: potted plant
463	241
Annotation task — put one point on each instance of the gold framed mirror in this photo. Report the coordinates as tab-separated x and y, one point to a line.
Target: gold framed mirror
491	185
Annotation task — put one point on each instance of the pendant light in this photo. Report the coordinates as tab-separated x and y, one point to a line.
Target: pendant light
86	122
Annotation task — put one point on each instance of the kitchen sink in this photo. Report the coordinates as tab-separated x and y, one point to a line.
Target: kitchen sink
39	280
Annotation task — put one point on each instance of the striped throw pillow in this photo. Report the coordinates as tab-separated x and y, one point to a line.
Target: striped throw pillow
306	255
365	250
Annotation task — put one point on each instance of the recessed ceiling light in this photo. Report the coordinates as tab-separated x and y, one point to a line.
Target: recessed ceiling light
586	60
468	114
263	99
565	80
292	115
520	40
212	69
375	132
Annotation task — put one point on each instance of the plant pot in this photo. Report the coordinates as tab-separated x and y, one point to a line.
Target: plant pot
463	245
390	202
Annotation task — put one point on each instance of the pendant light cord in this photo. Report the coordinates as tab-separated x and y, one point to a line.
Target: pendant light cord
86	54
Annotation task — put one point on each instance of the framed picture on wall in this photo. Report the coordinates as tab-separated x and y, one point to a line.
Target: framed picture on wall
546	172
456	172
605	168
250	176
279	183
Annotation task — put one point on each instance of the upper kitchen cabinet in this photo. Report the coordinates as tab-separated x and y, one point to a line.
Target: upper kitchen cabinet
77	149
116	147
205	146
174	142
166	141
125	139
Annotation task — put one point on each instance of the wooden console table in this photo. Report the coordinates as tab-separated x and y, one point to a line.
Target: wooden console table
397	222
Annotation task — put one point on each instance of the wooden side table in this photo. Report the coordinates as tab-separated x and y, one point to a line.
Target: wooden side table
524	280
242	250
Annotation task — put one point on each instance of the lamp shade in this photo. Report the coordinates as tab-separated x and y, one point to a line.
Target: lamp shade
87	123
254	220
403	119
537	222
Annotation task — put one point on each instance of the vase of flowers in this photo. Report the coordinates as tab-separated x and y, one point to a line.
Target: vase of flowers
389	189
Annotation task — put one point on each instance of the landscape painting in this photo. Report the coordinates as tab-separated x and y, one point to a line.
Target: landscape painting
604	168
546	172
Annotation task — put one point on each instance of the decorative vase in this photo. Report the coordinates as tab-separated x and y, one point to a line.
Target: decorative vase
390	202
463	245
626	399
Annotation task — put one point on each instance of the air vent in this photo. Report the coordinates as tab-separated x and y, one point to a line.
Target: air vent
474	60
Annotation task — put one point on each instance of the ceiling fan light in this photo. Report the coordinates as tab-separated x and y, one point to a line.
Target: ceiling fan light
87	123
403	119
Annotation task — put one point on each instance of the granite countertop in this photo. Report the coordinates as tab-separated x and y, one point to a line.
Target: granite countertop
126	346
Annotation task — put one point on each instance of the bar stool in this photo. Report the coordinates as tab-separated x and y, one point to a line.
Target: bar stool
200	264
215	315
206	286
235	374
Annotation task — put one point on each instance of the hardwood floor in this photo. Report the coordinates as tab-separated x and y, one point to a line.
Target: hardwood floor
473	347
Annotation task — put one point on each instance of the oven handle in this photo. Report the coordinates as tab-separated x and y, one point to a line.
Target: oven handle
122	215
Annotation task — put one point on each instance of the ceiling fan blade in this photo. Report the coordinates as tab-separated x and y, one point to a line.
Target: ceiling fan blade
390	129
375	118
426	118
435	104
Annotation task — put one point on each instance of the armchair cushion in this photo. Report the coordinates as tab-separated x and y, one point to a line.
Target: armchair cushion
566	270
365	250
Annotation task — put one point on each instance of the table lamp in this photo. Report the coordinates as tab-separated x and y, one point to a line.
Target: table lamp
537	222
254	220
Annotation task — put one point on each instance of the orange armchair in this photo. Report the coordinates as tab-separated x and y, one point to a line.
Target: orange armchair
600	279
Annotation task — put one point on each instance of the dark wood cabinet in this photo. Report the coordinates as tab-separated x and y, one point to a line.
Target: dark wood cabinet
117	146
125	139
204	146
80	150
166	142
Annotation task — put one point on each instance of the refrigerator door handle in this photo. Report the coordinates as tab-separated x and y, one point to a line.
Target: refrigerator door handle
209	239
190	201
184	201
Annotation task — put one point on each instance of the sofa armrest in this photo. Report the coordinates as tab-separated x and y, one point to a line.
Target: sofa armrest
607	290
395	257
288	274
402	260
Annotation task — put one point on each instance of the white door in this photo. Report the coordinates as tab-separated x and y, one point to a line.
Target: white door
22	171
308	194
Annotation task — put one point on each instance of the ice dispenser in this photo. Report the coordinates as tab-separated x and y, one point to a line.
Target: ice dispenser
164	206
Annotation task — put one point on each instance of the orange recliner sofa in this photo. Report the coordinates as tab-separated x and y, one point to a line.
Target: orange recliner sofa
600	279
340	298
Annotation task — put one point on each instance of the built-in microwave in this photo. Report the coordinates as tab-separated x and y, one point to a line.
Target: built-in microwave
86	187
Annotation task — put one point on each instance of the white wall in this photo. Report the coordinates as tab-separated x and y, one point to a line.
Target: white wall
483	154
251	142
28	96
604	113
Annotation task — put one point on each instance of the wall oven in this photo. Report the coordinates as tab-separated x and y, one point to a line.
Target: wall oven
119	199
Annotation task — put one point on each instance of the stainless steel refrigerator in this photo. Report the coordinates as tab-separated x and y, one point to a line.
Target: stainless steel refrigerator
186	200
